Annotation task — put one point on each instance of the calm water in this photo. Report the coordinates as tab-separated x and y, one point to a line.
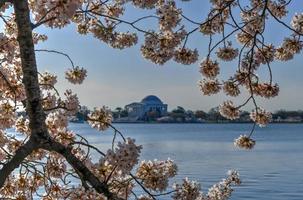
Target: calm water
273	170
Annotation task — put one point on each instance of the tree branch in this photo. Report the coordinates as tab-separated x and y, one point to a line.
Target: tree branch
17	159
80	168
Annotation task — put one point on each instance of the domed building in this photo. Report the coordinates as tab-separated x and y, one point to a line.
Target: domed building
149	105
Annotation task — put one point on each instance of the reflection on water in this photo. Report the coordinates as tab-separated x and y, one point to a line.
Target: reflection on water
205	152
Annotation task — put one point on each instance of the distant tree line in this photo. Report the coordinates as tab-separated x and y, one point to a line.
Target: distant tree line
182	115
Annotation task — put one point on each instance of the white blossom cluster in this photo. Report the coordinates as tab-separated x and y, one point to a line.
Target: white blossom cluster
11	79
191	190
265	55
223	189
56	120
211	27
3	141
7	115
261	117
209	68
163	46
144	197
71	104
159	47
113	10
169	15
155	174
115	39
81	193
288	49
278	8
227	53
297	22
61	11
254	22
229	111
244	142
47	80
124	157
55	167
186	56
7	49
233	176
188	190
215	22
22	125
100	119
148	4
210	86
76	75
125	187
6	73
57	125
267	90
231	88
124	40
49	101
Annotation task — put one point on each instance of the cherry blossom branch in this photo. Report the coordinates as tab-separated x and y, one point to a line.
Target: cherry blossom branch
250	71
51	86
283	23
24	151
80	168
43	19
237	25
132	24
57	52
87	145
209	19
267	64
142	186
9	85
225	38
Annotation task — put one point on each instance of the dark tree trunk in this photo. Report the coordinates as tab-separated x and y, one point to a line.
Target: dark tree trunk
30	81
39	133
29	68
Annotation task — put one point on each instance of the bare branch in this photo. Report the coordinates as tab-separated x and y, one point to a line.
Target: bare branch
57	52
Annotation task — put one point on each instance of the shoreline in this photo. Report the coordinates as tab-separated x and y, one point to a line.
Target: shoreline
202	123
207	122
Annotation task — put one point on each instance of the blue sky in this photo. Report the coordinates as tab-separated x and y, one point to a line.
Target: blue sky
116	78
